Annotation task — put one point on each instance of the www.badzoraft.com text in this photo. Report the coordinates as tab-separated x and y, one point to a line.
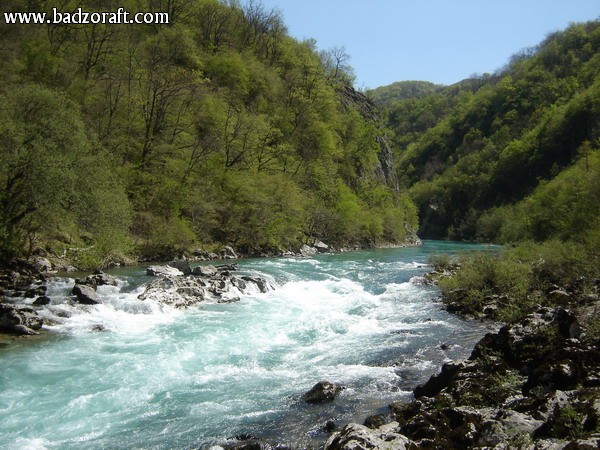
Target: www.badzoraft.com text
121	16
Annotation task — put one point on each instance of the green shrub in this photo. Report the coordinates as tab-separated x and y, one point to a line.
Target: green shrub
517	278
568	423
441	262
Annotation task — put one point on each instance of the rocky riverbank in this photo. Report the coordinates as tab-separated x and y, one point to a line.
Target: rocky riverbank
21	279
533	384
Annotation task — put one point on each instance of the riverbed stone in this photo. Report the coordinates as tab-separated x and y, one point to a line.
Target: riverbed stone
261	283
176	291
36	291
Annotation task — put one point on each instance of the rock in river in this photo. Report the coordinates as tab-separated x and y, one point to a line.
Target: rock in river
206	282
86	294
177	291
181	264
322	392
163	271
205	271
98	278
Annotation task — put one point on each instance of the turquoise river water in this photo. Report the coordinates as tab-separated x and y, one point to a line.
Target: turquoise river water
158	378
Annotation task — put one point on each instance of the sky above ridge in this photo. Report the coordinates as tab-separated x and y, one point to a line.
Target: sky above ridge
442	41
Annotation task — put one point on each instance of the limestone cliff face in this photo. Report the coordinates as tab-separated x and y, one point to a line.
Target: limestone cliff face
350	97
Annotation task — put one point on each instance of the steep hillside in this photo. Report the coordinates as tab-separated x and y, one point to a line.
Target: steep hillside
496	141
217	128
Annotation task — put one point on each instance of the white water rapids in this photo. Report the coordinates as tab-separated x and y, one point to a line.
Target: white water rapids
133	374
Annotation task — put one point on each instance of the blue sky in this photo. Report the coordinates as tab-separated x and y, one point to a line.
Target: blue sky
443	41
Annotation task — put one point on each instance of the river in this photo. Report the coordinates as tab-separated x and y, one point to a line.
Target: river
133	374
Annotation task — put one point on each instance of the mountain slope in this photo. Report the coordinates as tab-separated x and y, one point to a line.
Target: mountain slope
492	142
217	128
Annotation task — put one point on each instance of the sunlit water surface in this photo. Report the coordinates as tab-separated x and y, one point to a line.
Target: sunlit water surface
162	378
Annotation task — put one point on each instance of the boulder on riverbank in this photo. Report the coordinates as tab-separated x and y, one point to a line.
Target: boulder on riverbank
18	276
306	250
19	320
42	264
228	253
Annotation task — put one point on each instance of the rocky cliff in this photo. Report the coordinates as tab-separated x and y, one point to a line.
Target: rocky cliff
367	109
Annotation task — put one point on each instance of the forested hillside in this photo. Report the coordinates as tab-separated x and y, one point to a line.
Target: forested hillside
510	156
218	128
388	96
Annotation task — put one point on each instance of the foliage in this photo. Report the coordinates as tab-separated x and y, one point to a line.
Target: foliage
517	279
216	128
567	423
55	178
388	96
560	208
441	262
471	151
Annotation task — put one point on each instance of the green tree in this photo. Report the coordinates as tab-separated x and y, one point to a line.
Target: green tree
52	174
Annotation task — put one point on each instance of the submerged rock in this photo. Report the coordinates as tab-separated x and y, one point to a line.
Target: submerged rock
19	320
322	392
